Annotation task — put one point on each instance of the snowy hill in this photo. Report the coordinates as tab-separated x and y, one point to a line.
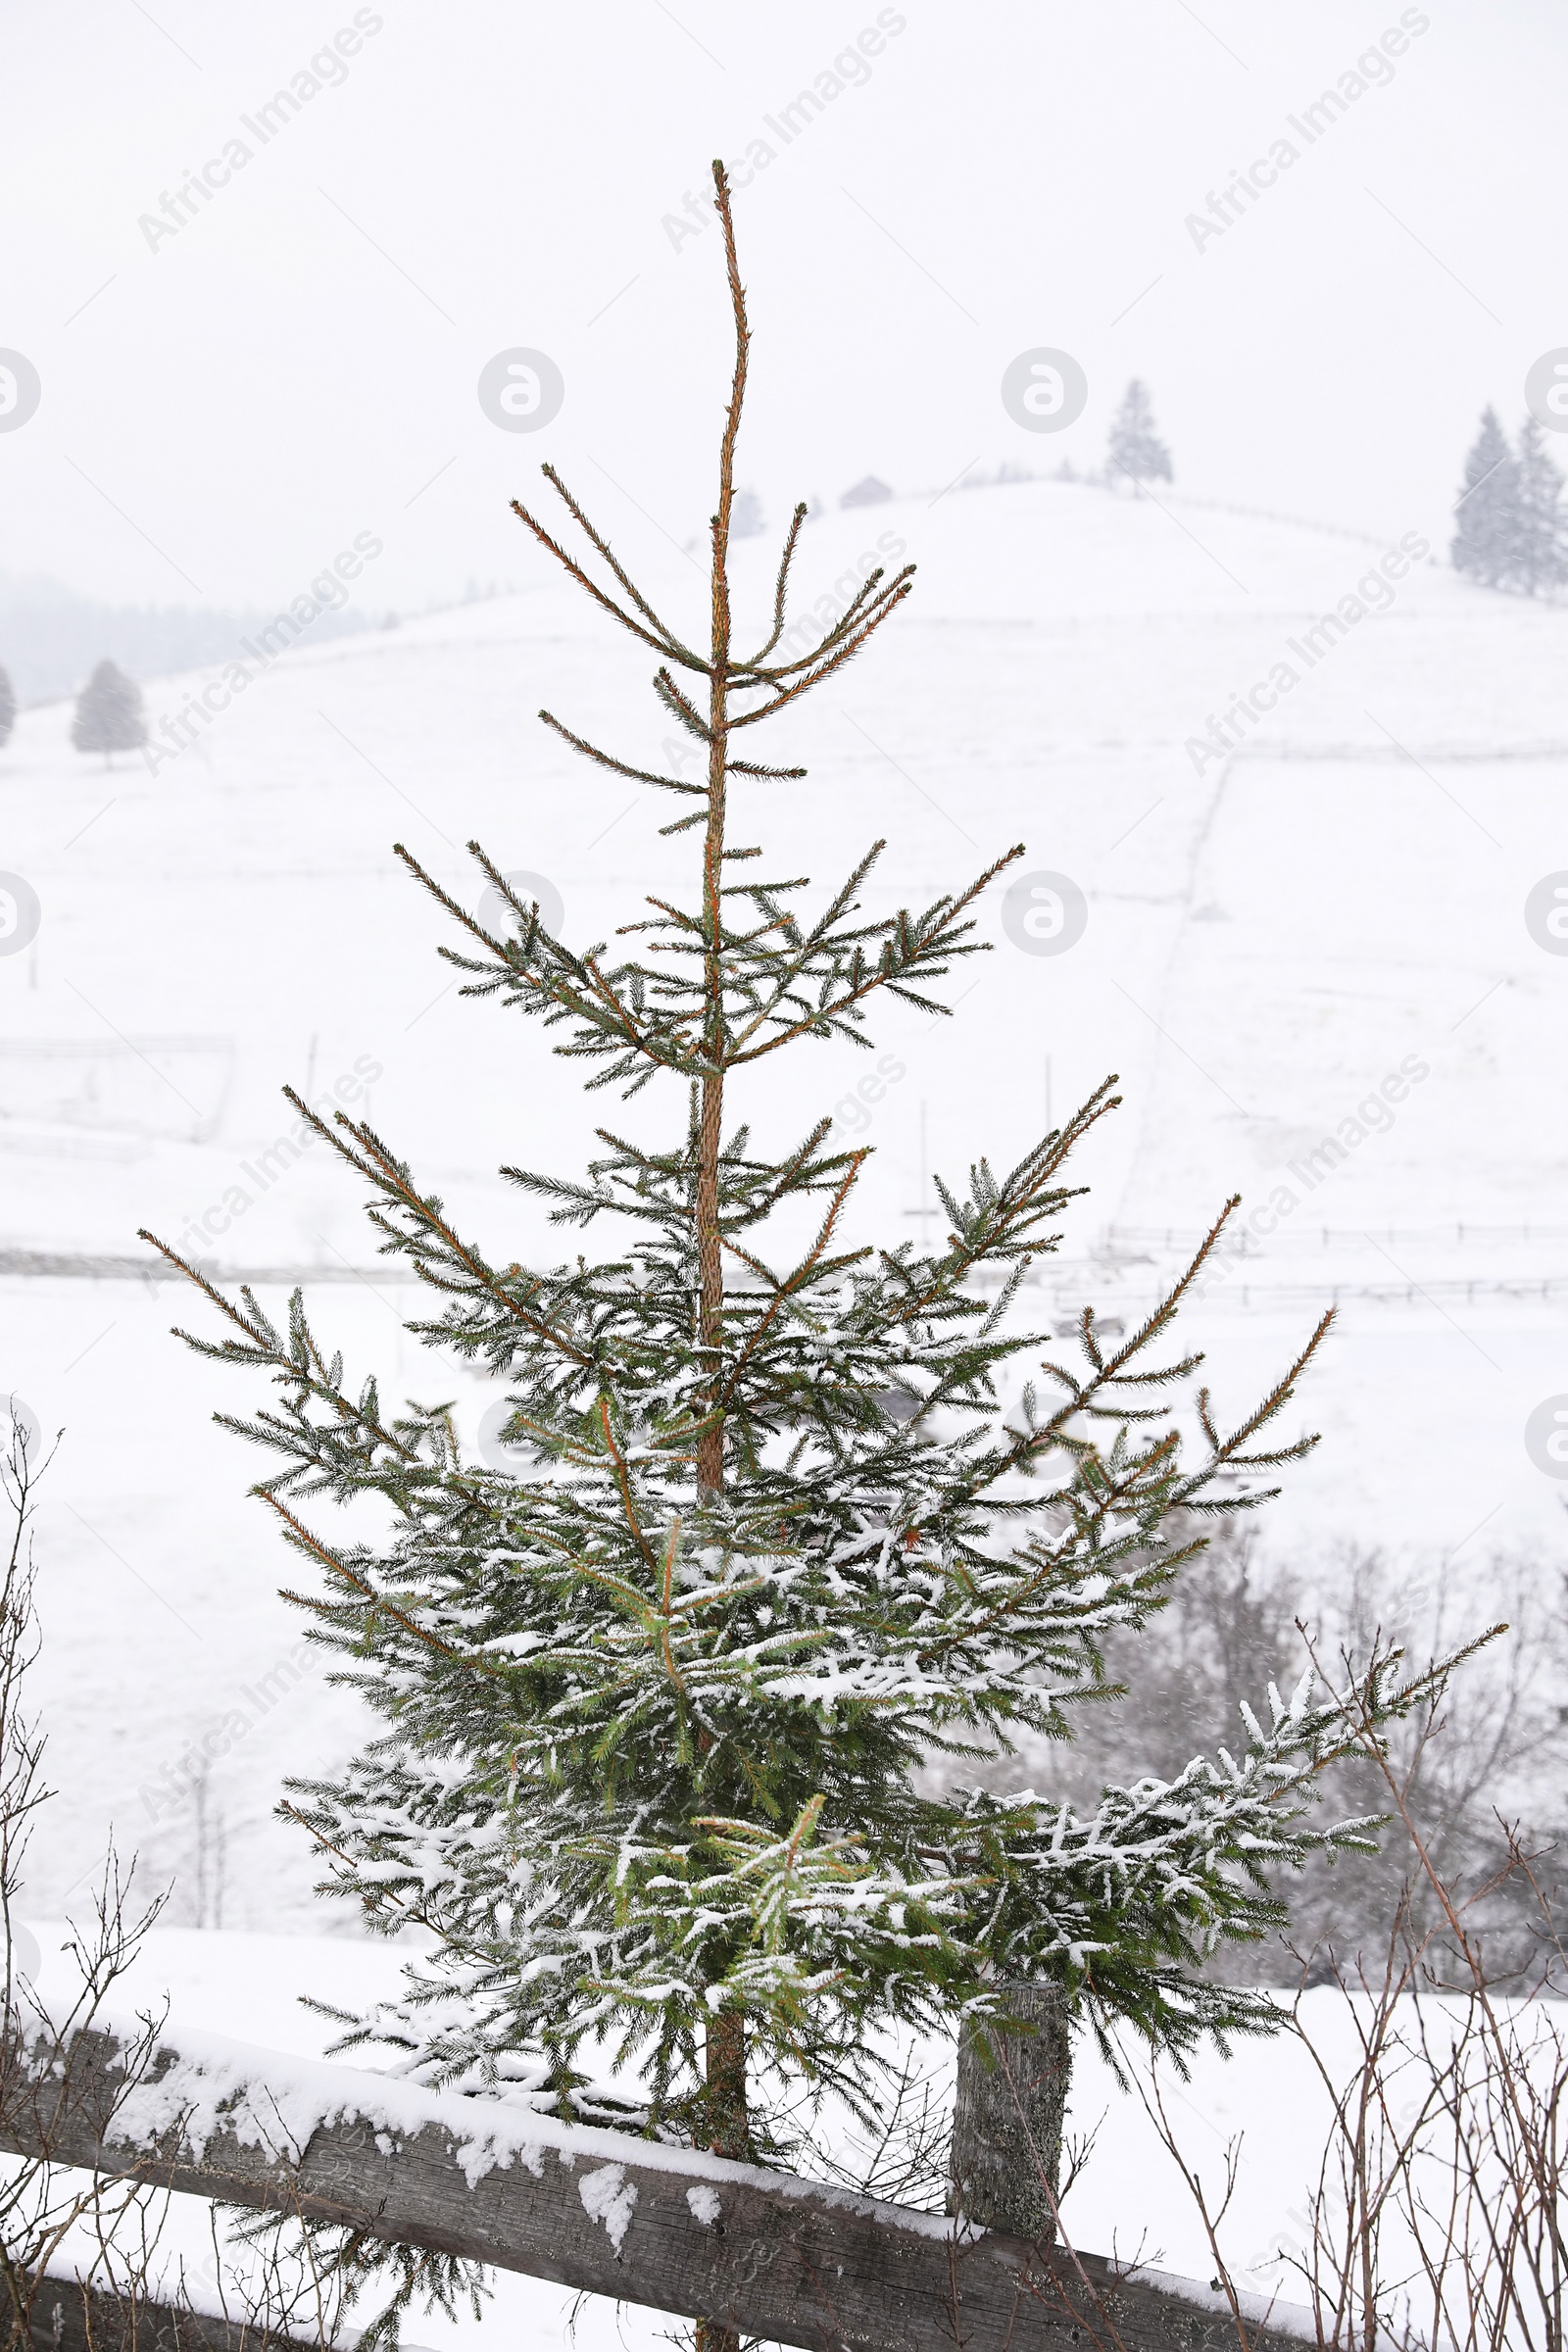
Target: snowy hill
1314	938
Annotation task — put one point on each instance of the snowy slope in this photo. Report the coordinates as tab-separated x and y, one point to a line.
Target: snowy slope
1269	937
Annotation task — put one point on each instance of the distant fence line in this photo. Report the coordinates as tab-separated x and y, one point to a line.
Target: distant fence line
83	1265
1116	1311
1362	755
1306	1237
1261	1296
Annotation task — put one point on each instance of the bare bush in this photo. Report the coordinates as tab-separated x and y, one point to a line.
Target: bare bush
1440	2213
1438	2216
43	2207
82	2257
1495	1743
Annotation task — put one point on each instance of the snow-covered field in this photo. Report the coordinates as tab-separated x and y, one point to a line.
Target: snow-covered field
1270	938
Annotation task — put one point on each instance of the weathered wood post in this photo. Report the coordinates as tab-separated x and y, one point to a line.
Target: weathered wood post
1006	2165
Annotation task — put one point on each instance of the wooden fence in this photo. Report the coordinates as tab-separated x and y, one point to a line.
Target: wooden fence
771	2255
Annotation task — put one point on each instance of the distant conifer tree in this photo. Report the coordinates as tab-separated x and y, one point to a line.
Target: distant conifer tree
1486	542
1133	451
658	1715
1538	530
109	715
7	707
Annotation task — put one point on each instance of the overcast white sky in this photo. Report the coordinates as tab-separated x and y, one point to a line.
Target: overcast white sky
298	364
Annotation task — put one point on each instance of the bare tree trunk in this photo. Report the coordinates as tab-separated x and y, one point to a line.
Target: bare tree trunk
1006	2167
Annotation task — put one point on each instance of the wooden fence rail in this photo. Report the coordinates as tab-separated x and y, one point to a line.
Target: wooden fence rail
784	2259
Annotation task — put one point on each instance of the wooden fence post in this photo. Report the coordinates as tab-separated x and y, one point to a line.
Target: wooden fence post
1005	2166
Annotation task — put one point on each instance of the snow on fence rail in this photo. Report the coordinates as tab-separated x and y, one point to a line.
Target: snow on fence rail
793	2261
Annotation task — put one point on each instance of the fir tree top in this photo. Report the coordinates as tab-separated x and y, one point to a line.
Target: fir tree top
656	1718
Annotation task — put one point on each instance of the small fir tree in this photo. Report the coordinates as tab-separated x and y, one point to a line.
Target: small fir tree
7	707
1486	542
1134	450
1537	551
109	715
658	1715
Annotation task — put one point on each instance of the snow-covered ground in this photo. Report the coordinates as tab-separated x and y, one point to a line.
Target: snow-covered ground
1270	938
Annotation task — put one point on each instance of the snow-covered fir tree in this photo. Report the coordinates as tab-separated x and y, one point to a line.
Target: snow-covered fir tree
7	707
1484	540
657	1715
109	716
1134	453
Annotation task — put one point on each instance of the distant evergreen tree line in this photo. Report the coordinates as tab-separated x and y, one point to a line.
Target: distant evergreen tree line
52	636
